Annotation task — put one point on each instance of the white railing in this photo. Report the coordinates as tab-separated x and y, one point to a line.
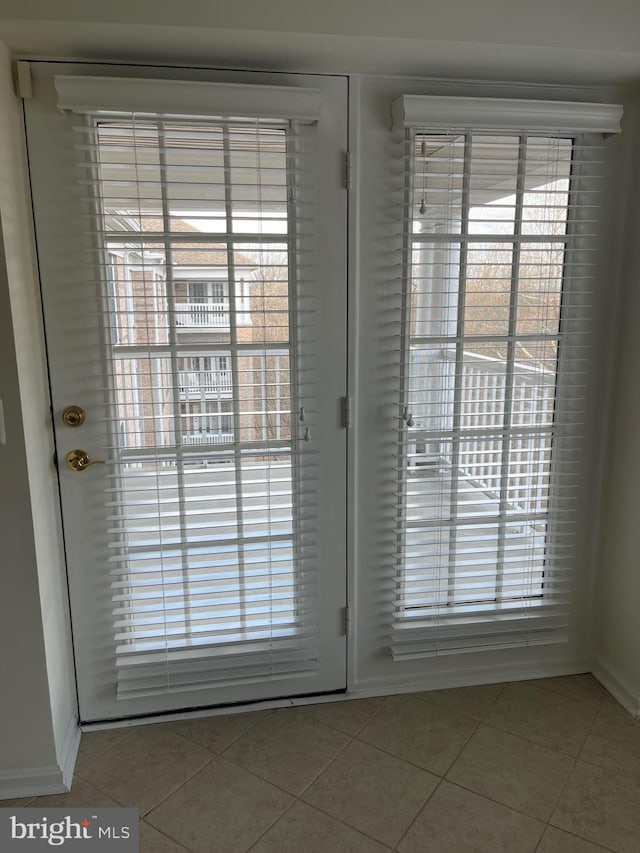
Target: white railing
533	397
191	315
195	383
196	438
483	385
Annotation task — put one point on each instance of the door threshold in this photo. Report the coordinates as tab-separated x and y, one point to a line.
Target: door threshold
198	711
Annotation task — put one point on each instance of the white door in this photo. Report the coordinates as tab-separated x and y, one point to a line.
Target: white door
191	239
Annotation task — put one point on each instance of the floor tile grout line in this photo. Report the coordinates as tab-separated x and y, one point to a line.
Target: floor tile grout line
257	775
371	718
497	728
408	760
272	824
561	792
573	767
493	704
391	755
629	777
596	711
344	822
91	785
401	760
420	810
573	759
298	796
494	801
352	738
182	784
262	717
423	696
476	723
397	758
355	736
595	720
103	752
335	728
275	784
573	835
459	752
164	834
134	729
268	712
556	826
532	682
173	790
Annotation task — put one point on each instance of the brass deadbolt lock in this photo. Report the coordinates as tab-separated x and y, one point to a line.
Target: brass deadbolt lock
73	416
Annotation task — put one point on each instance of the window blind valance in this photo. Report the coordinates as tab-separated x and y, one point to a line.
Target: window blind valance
186	97
438	111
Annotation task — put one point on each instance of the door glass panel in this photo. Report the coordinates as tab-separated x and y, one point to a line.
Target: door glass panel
201	349
483	331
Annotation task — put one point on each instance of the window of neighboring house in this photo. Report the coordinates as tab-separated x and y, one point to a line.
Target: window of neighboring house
207	420
209	362
201	292
113	296
207	304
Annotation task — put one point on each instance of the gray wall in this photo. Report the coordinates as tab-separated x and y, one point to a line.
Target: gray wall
37	711
618	611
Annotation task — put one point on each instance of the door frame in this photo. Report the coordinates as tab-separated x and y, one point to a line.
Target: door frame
95	697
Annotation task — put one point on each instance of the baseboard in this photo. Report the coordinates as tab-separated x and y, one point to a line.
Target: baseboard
31	783
618	686
69	753
490	674
40	781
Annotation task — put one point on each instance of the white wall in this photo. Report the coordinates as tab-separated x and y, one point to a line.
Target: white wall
26	735
581	24
549	40
38	708
618	613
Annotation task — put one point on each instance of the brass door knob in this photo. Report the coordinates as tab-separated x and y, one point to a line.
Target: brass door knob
73	416
78	460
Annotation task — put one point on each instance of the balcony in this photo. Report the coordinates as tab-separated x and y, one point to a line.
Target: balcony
198	316
195	384
195	439
483	384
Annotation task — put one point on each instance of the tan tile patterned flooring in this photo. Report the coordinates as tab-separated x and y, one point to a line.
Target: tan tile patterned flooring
551	766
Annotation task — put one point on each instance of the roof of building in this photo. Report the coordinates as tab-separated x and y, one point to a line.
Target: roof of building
200	253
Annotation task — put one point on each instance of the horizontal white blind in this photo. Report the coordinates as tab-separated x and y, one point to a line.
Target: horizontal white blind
499	237
202	287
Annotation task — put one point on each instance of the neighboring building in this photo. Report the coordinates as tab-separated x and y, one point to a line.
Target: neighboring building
181	391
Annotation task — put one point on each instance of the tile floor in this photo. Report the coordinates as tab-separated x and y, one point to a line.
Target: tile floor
551	766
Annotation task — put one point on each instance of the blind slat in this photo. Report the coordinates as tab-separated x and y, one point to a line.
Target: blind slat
491	344
211	490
